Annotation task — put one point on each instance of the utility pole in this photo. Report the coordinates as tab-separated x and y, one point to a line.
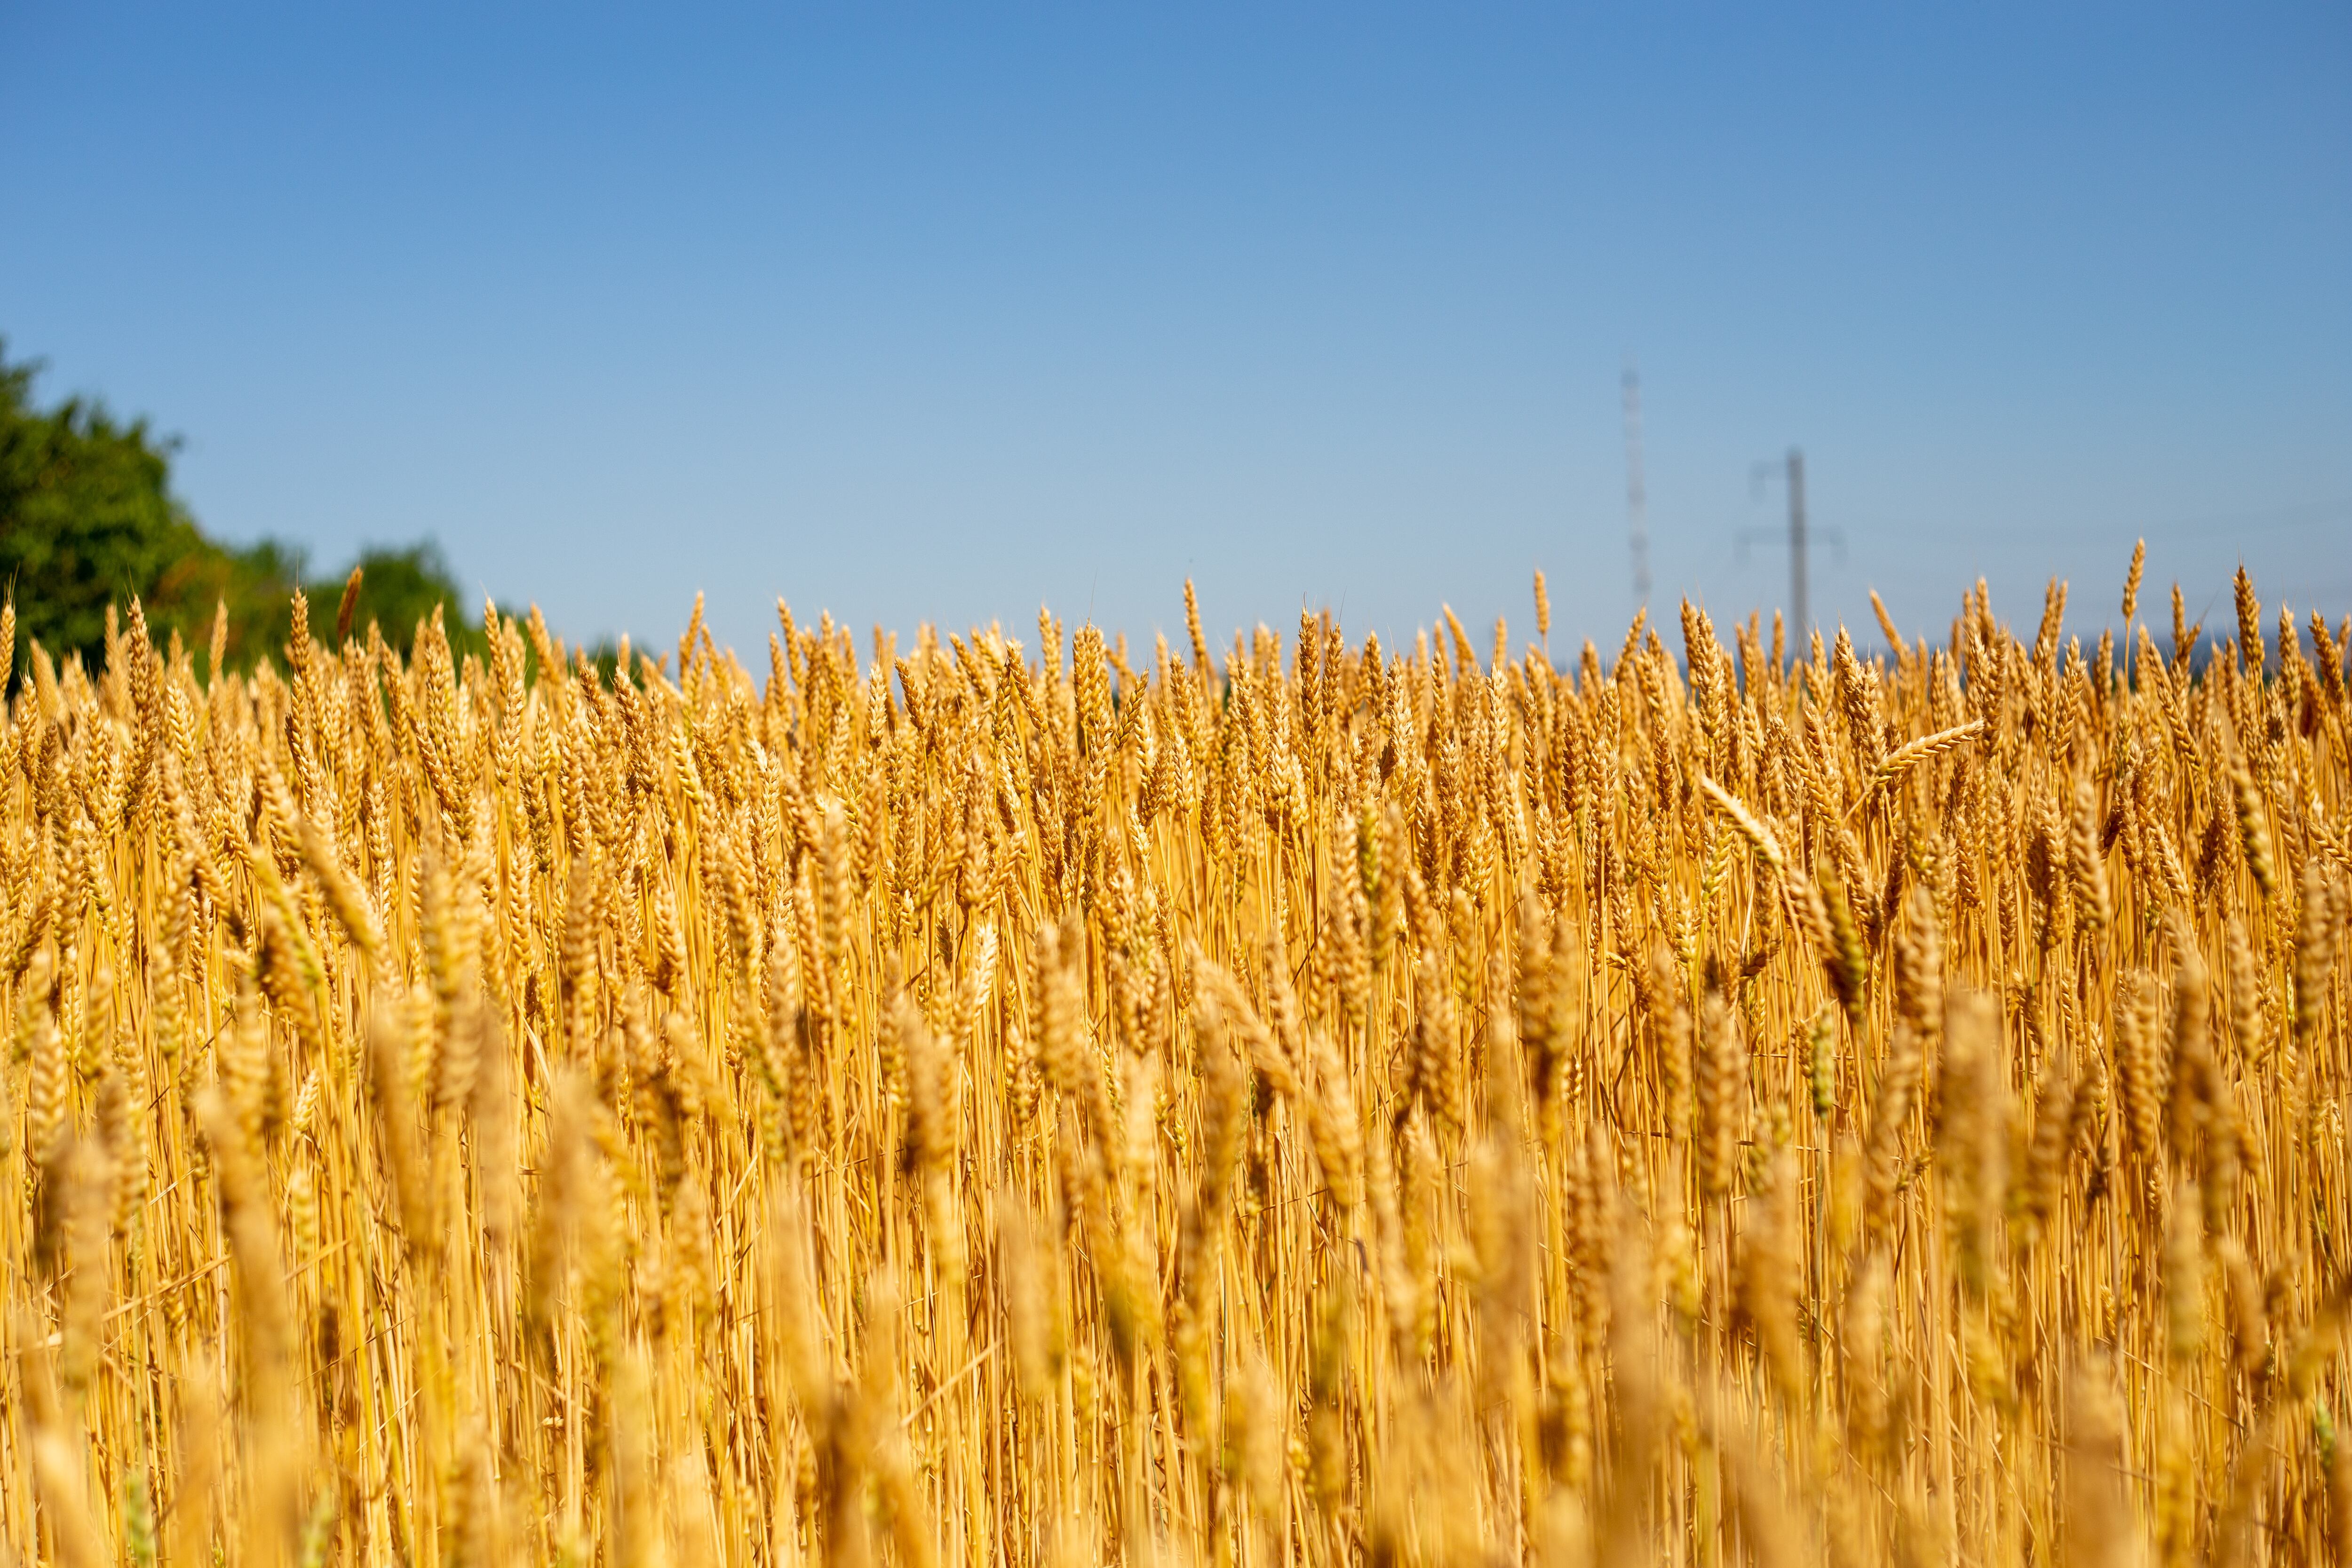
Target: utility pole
1790	471
1804	625
1636	497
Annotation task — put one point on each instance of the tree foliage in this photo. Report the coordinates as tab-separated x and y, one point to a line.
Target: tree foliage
87	520
86	516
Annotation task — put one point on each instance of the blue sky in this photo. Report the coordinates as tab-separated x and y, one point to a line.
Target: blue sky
934	314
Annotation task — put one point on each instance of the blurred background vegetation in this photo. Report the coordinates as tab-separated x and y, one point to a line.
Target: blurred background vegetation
87	519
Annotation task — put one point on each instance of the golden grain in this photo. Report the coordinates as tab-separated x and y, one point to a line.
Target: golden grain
1310	1105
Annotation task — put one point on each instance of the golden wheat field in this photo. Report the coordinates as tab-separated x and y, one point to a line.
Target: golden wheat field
978	1102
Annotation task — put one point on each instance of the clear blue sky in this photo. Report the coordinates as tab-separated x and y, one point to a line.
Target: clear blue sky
920	314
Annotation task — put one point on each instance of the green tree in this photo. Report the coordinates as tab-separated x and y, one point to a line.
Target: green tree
86	516
399	588
87	520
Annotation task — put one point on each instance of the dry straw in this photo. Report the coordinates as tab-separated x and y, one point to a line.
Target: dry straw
948	1101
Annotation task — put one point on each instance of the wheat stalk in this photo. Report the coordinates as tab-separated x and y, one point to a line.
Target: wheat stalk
949	1101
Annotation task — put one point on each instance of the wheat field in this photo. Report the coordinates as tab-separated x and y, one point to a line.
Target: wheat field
1310	1102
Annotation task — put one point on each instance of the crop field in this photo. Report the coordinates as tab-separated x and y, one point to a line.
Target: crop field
996	1100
